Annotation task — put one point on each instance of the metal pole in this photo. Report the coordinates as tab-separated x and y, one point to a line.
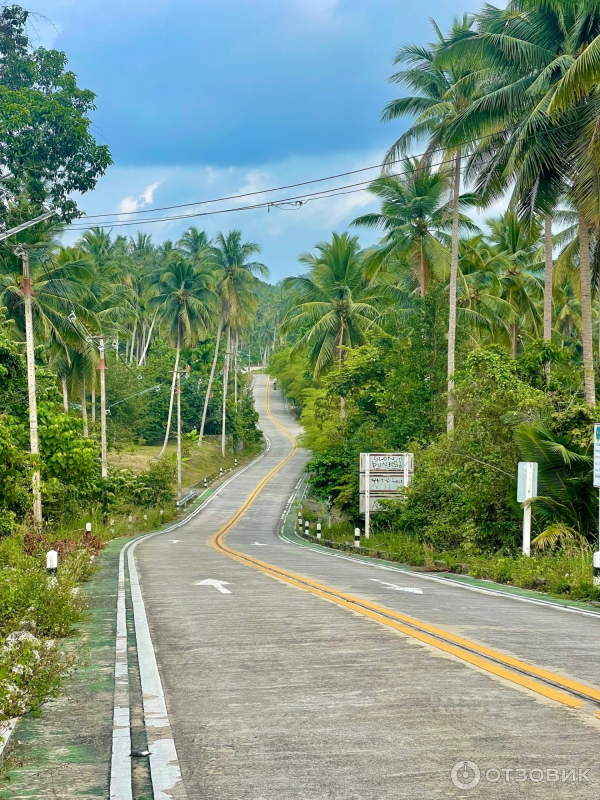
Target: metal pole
178	437
527	511
102	368
33	422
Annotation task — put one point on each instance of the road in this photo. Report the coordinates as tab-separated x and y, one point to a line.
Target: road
296	674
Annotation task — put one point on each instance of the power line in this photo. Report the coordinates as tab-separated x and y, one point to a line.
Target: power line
404	159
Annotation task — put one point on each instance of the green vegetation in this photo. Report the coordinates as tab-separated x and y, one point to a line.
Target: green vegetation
147	317
476	344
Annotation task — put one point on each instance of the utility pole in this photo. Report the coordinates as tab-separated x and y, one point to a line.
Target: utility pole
179	373
102	368
178	435
33	422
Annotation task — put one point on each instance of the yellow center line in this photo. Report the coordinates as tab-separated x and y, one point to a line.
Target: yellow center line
416	629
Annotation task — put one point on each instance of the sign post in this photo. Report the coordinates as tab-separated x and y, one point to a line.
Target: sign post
597	485
382	475
527	489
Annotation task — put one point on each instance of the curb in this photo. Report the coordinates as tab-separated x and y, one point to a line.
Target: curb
449	579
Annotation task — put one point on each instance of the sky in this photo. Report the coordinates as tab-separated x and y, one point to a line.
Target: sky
200	99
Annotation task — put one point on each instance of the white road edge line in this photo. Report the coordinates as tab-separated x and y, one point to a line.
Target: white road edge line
120	763
164	764
548	604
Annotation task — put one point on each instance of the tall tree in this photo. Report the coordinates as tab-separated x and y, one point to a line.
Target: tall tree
235	281
333	303
443	88
46	148
185	300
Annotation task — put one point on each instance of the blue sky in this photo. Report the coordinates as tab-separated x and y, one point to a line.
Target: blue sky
203	98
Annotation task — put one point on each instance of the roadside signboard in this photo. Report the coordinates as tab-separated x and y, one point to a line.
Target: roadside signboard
382	482
597	455
527	481
375	501
382	476
386	462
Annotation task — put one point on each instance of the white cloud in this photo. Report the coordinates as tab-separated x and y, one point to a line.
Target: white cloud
148	193
282	233
130	204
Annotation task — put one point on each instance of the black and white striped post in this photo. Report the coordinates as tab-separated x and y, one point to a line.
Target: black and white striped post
300	522
51	562
220	472
356	537
88	527
307	527
235	462
318	530
596	569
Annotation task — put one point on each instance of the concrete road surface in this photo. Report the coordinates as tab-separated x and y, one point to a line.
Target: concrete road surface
276	692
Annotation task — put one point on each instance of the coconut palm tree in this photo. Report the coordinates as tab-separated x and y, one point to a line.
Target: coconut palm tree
185	300
539	130
333	302
444	87
415	218
235	278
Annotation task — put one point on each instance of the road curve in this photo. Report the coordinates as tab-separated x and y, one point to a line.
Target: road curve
302	675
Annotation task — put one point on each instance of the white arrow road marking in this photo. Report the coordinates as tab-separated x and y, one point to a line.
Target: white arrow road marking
398	588
219	585
261	544
176	541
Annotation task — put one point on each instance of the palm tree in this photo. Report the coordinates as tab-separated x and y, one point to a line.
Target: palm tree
334	301
415	218
234	274
539	129
184	301
444	89
195	245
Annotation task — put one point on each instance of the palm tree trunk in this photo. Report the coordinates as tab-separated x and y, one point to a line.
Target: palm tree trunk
549	266
423	271
453	282
225	383
84	409
586	310
514	338
65	394
147	344
235	369
210	383
133	335
170	416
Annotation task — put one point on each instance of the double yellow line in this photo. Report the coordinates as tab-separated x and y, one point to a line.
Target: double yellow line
543	682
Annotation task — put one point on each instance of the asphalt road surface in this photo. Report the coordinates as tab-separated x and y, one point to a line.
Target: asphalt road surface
323	679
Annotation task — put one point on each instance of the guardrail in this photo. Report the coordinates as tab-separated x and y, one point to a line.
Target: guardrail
184	500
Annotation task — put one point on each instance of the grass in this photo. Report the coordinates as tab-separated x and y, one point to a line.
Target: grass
199	463
564	573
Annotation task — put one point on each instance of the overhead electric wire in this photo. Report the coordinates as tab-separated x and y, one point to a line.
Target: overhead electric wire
318	180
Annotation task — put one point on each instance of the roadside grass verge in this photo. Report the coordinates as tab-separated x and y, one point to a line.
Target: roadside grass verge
565	573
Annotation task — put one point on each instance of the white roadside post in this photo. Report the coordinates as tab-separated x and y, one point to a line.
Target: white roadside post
597	485
356	537
526	490
51	562
318	530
